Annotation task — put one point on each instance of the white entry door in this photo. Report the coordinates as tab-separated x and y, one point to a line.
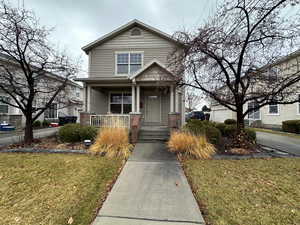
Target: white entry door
152	108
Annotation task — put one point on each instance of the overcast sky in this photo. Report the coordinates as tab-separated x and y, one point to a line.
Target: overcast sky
78	22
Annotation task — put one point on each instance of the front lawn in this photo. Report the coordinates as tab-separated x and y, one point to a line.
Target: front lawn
50	188
247	192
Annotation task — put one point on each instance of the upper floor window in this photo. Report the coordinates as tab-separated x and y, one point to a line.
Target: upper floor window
273	73
4	106
136	32
129	62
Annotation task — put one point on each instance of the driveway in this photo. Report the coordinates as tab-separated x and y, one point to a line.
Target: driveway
151	190
280	142
11	138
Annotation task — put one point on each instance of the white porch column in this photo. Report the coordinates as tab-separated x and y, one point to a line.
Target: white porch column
176	101
138	98
171	98
133	99
88	99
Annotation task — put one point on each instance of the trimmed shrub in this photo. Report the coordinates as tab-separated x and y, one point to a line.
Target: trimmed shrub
221	127
291	126
251	134
207	128
230	130
213	134
112	142
190	145
230	121
46	123
88	133
76	133
37	124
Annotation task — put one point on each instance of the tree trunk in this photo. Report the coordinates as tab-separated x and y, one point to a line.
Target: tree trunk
240	120
28	136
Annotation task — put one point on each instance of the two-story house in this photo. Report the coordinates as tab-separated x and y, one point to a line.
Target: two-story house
269	116
14	116
128	75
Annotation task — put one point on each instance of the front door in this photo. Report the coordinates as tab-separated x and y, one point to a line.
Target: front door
152	108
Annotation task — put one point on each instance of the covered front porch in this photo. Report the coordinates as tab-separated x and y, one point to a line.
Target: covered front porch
153	104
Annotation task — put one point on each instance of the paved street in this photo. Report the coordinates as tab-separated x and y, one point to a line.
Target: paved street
151	190
18	137
280	142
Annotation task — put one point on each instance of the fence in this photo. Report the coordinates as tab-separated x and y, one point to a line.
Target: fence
119	121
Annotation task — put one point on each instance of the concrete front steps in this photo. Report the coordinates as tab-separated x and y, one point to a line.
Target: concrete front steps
154	134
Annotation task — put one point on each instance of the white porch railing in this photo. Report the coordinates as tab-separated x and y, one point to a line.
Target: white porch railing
112	121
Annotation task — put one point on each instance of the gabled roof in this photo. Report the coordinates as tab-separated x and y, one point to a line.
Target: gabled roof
148	65
126	27
8	59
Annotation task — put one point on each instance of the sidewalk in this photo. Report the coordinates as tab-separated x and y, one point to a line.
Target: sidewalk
280	142
6	139
151	190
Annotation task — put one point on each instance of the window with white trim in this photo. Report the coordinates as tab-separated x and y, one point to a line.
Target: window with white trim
128	62
120	103
254	114
273	108
51	112
4	106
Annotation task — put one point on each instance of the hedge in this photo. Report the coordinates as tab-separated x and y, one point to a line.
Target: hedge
230	131
291	126
207	128
76	133
230	121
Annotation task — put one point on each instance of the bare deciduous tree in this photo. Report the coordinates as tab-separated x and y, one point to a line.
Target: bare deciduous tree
192	99
34	74
226	57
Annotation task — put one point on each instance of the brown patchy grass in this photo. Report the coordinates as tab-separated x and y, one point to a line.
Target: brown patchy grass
49	189
247	192
47	143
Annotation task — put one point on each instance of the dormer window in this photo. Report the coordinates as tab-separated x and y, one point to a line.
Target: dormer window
136	32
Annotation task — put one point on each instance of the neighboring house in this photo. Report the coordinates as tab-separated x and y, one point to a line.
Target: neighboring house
129	75
74	93
270	116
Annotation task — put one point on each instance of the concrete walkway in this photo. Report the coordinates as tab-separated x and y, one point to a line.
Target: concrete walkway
280	142
11	138
151	190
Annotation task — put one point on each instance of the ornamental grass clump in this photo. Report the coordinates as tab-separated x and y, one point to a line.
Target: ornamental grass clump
112	143
189	145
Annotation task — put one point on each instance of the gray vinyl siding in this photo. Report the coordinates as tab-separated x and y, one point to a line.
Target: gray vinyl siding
102	58
99	102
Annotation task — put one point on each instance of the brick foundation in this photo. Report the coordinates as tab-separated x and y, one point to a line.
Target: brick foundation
85	118
174	121
135	124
